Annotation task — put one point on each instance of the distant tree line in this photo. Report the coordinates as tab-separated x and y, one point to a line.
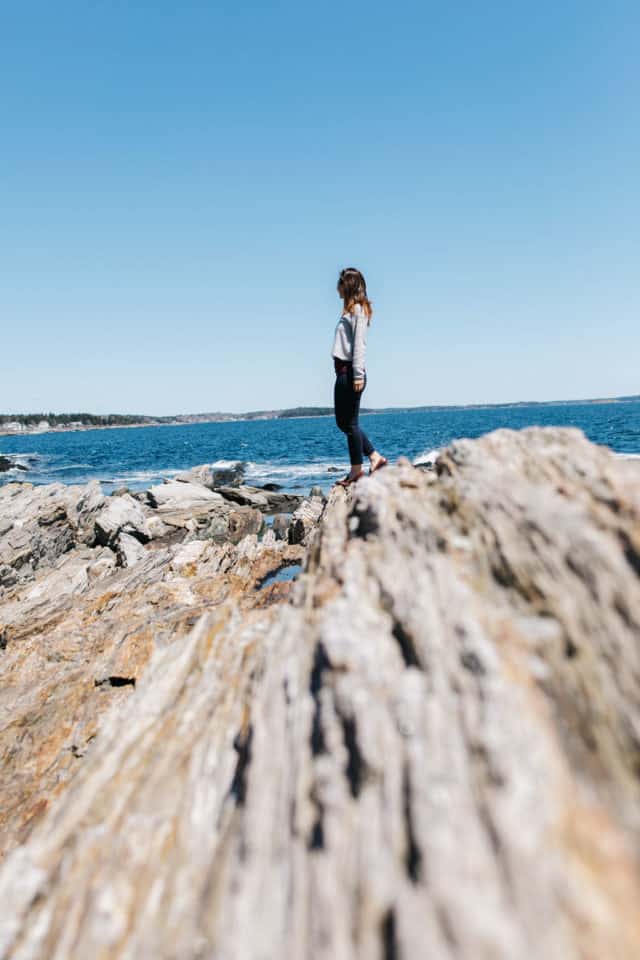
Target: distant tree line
63	419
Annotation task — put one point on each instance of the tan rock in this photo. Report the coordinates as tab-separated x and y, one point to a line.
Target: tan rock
432	751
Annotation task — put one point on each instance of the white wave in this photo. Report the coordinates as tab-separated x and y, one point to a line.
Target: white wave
294	470
140	476
426	457
28	460
628	456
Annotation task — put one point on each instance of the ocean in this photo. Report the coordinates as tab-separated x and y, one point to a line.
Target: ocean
295	453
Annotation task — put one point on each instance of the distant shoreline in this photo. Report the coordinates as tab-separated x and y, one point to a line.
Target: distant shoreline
296	413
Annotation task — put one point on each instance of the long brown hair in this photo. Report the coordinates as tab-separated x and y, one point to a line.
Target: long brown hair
353	290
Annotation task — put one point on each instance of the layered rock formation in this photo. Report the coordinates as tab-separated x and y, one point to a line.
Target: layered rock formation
432	750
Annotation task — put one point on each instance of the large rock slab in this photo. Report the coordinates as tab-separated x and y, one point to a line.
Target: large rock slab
175	494
40	524
431	751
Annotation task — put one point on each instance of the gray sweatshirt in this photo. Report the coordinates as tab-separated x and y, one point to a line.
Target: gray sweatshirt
350	341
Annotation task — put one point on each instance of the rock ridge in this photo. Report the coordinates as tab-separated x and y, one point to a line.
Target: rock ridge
430	748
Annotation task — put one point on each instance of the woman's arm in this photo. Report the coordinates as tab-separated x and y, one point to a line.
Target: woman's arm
360	326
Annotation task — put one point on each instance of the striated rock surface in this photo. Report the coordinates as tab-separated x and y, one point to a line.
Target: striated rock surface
433	750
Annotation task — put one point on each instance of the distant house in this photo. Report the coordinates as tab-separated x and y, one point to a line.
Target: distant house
42	426
13	426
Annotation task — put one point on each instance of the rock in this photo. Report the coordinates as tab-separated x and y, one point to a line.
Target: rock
186	557
304	520
229	476
245	496
202	475
38	527
280	525
75	641
119	491
266	500
10	463
129	550
84	508
121	515
279	502
317	492
176	494
271	487
157	528
244	521
430	751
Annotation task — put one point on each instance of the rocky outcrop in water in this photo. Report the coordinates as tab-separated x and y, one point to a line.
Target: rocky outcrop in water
432	750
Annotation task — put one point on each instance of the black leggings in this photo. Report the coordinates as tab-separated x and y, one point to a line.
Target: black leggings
347	408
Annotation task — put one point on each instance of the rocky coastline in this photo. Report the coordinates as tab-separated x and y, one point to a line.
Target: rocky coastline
427	743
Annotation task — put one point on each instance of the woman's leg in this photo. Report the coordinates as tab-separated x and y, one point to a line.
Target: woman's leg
347	406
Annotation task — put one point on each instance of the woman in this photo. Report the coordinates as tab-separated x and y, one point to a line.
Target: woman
349	347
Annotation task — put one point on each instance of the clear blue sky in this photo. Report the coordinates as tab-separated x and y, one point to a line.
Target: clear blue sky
181	182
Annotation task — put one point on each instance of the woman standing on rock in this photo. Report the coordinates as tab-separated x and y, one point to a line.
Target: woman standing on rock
349	347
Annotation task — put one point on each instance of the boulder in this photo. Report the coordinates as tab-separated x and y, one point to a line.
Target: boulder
244	521
305	519
181	495
279	502
202	475
10	463
245	496
39	524
120	515
129	550
317	492
229	476
280	526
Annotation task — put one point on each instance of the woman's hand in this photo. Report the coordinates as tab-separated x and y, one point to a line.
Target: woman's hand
358	385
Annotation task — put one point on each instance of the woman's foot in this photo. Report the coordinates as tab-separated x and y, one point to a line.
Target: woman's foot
377	461
354	474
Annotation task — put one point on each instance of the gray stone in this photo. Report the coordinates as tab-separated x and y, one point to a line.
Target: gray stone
129	550
120	515
202	475
245	496
244	521
280	525
305	519
176	494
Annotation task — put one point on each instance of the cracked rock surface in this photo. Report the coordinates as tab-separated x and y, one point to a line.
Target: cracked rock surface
433	750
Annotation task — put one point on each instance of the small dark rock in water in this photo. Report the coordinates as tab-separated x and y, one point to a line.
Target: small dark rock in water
272	487
6	463
333	470
229	476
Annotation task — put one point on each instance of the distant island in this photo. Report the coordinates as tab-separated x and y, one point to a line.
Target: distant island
26	423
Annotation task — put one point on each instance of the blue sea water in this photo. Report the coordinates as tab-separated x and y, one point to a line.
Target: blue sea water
295	453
